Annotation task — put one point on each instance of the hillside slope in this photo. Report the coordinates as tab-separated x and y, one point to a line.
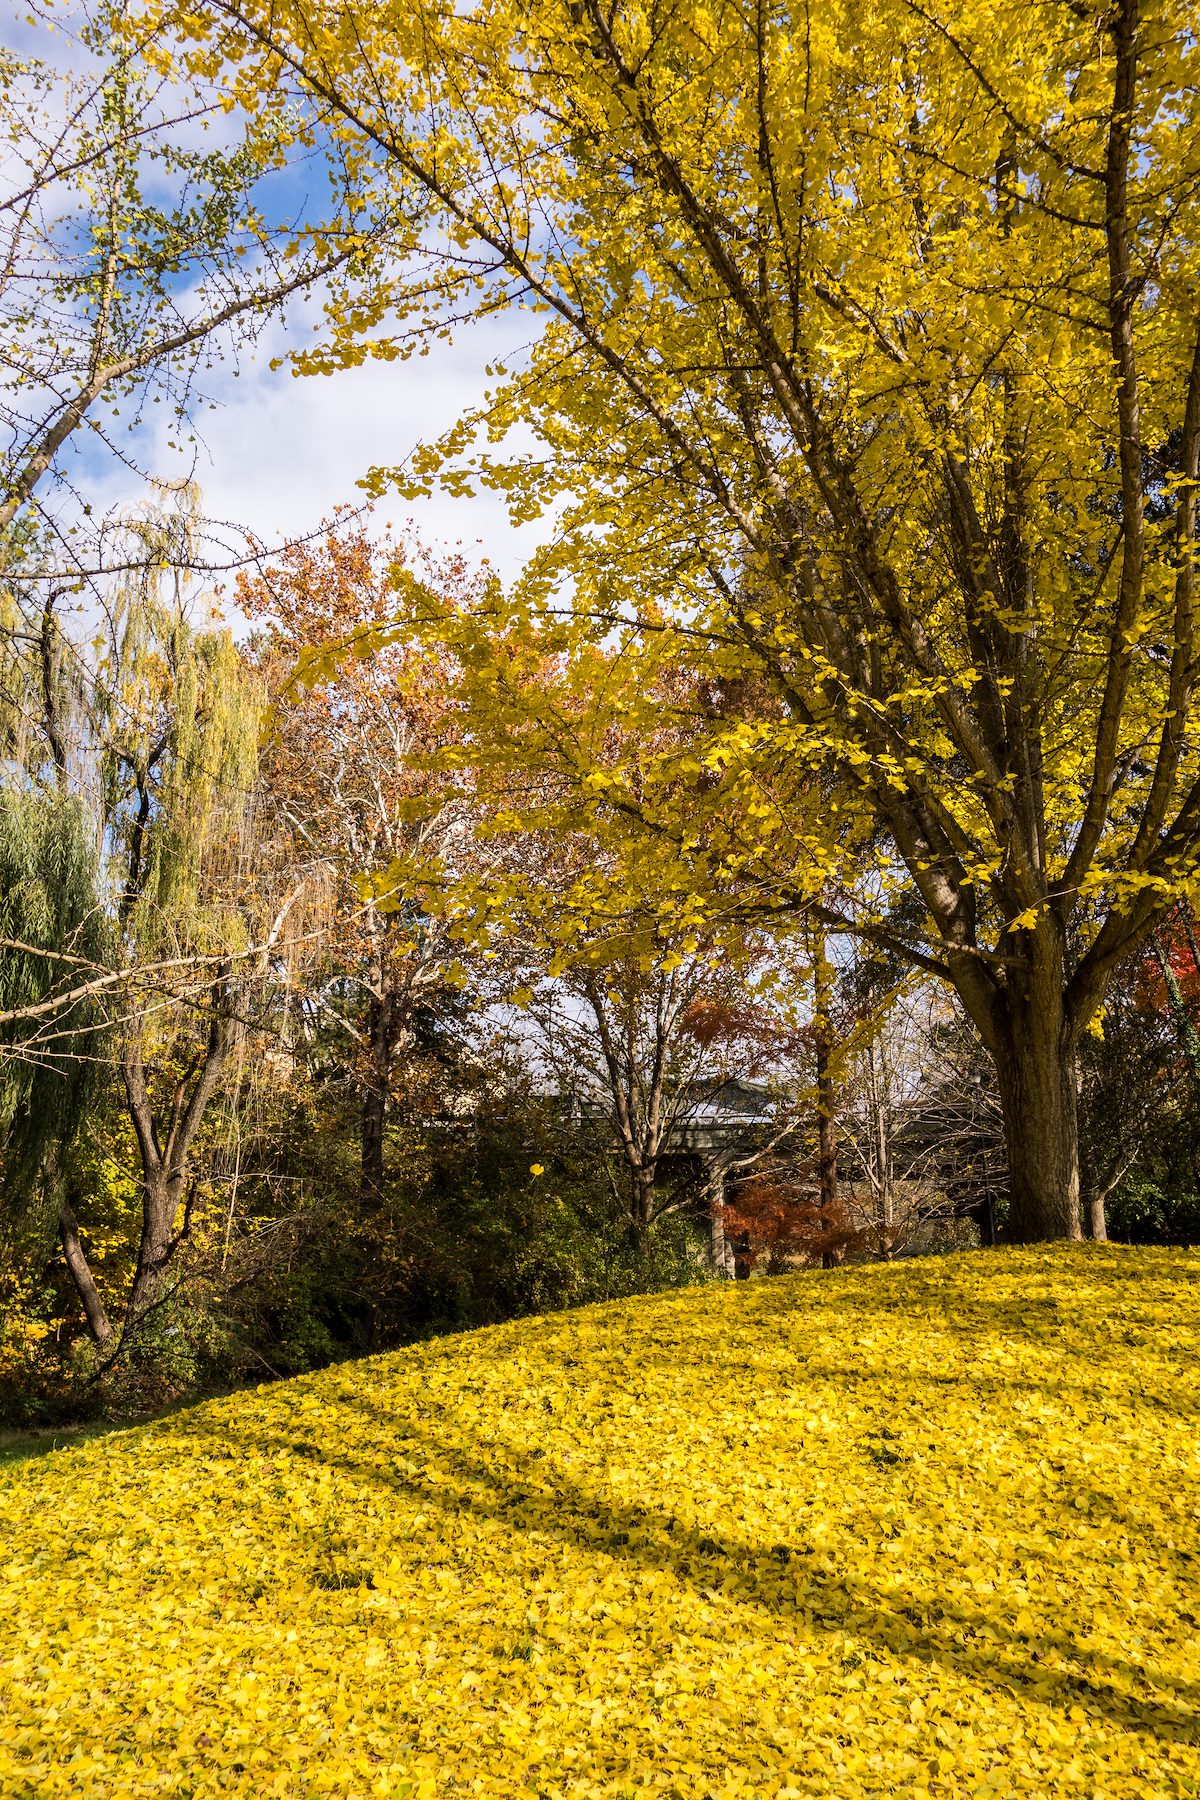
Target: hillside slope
883	1531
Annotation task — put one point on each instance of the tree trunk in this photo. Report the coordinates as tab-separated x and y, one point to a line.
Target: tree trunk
827	1172
1035	1067
641	1212
986	1216
882	1151
720	1250
81	1274
1095	1220
375	1095
165	1159
161	1196
371	1177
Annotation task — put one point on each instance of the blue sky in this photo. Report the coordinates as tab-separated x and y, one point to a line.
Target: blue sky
279	453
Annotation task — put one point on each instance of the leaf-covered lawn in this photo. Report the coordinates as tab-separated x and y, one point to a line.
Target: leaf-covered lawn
882	1531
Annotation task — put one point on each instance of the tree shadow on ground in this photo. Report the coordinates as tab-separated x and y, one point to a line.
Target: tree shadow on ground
786	1582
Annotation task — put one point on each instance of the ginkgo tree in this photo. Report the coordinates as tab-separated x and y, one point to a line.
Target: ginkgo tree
870	363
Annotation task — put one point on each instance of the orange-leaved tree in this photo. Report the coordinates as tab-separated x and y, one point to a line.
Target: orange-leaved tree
351	765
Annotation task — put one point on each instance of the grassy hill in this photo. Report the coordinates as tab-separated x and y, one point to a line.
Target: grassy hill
883	1531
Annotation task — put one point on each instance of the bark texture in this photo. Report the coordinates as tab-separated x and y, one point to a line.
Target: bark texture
1095	1219
827	1170
164	1154
1035	1067
381	1049
81	1274
720	1249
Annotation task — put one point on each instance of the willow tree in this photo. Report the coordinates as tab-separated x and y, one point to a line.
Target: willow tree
872	345
138	902
176	716
52	927
55	940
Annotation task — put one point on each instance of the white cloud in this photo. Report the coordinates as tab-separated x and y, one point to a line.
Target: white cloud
279	453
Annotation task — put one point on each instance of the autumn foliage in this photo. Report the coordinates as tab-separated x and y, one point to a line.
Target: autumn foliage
924	1529
780	1220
